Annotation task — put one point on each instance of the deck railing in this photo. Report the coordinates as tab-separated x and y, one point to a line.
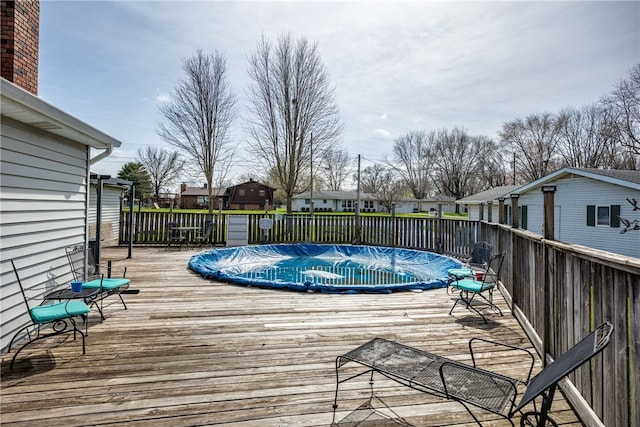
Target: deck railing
449	236
558	291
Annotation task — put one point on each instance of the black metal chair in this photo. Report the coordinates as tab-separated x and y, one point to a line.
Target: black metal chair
470	287
61	316
469	384
206	233
83	267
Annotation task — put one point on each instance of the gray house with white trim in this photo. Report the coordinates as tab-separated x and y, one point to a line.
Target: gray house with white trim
45	158
597	208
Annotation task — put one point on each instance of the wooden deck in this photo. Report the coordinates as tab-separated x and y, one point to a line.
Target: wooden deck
189	351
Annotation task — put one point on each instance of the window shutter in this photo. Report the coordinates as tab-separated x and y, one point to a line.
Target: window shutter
591	215
523	218
615	219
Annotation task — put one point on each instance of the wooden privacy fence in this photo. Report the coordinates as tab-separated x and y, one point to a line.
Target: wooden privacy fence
448	236
558	291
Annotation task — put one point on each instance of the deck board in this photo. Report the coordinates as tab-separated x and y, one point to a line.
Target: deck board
190	351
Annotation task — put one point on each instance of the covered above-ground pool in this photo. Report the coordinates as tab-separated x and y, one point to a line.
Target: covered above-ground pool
326	268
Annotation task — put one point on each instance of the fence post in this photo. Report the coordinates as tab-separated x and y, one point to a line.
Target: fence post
548	268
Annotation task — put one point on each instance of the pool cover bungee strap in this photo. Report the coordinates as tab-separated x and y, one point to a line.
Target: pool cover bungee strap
326	268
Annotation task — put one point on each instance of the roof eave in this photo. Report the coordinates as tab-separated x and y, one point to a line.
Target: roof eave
24	107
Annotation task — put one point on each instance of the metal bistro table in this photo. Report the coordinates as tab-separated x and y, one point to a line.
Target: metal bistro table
180	237
88	295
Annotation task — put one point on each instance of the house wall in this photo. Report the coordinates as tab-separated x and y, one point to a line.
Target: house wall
571	199
110	213
43	205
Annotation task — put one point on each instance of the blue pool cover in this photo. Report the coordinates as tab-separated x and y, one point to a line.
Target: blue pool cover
326	268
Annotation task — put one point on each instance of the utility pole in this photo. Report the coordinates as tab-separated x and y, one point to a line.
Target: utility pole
310	232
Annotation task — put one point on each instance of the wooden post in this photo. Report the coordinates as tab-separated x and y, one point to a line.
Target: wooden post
501	210
514	210
549	270
549	220
481	211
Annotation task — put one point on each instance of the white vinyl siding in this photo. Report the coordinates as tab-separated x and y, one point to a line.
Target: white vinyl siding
43	183
572	196
110	212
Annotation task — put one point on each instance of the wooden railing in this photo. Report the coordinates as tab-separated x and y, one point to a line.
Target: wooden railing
449	236
559	292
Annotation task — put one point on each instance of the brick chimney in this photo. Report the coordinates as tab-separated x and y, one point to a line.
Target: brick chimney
19	42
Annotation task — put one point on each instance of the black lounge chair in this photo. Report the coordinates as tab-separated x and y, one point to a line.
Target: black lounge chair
469	384
61	316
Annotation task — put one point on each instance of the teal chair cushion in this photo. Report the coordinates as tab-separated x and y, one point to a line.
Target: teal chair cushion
460	273
107	284
60	310
471	285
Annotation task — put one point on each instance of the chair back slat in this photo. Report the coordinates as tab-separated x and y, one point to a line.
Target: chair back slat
24	295
481	254
591	345
77	256
494	266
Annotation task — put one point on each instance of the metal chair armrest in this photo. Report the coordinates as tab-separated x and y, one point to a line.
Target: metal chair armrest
509	346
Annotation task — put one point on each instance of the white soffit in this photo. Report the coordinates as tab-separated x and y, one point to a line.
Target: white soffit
24	107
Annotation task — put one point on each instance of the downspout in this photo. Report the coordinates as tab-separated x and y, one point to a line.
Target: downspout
102	155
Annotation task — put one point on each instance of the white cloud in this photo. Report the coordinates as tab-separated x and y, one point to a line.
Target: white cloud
161	98
414	65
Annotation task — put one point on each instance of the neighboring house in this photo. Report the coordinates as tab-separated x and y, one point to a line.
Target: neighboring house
346	201
486	204
44	169
198	197
592	207
111	198
249	195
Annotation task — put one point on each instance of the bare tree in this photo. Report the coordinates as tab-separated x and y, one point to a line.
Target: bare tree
199	115
412	154
535	141
624	102
391	189
584	138
293	110
335	168
383	182
459	160
371	178
163	166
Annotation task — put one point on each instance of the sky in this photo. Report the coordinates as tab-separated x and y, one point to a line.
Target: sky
396	66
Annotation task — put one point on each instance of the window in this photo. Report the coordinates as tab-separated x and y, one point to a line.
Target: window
262	193
241	192
348	205
307	201
523	216
368	204
603	216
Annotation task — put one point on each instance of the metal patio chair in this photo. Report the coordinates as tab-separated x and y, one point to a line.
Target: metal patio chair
84	269
471	288
61	316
